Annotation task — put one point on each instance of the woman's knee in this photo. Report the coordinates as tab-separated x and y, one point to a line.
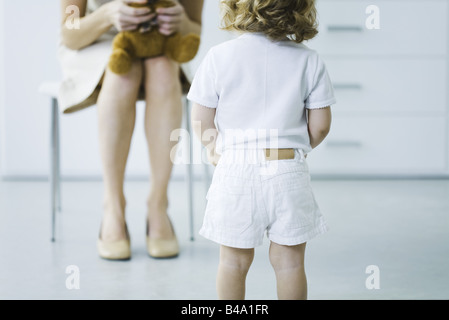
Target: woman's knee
125	83
239	259
161	77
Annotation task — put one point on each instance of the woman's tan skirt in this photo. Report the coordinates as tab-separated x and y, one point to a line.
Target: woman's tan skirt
83	72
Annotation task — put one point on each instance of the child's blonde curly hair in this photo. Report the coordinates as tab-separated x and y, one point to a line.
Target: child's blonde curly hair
278	19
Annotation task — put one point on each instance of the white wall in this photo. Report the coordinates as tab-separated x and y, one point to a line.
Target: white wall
2	85
30	46
30	57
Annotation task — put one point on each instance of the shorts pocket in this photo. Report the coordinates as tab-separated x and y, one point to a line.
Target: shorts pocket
295	203
230	205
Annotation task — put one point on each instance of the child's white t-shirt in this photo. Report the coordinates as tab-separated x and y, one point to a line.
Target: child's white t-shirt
261	90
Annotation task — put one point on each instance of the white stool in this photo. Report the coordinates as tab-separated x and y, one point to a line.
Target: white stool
51	89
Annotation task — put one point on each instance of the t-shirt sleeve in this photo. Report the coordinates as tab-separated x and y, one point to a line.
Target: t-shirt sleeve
203	89
322	92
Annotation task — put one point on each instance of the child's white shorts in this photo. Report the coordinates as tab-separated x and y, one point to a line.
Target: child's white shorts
250	195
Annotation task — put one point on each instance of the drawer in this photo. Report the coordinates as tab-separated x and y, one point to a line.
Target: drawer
406	28
376	145
389	85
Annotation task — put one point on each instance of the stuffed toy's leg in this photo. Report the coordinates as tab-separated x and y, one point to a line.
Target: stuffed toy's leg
182	49
122	54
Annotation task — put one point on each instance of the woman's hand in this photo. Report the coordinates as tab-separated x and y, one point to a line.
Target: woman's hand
126	18
170	20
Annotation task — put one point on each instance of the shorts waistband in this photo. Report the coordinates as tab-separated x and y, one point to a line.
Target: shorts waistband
279	154
258	156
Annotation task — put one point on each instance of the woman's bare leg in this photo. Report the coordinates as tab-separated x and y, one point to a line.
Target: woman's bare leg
232	270
163	115
288	265
116	119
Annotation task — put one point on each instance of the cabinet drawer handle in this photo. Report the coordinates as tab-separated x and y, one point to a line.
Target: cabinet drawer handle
344	144
344	28
347	86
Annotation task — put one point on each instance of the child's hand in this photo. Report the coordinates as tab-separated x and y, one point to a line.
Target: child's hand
213	157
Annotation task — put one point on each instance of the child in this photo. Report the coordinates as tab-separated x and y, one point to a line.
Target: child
261	103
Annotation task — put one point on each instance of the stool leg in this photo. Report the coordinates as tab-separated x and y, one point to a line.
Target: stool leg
57	156
190	169
53	166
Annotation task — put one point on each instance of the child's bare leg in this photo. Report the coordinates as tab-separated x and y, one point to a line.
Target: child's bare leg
288	265
232	270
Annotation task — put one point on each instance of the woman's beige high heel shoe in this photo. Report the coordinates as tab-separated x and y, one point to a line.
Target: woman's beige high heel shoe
162	248
116	250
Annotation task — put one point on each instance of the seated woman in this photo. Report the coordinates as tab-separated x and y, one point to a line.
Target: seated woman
84	54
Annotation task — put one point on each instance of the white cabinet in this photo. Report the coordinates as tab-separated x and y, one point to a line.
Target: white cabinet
391	84
407	27
401	86
380	145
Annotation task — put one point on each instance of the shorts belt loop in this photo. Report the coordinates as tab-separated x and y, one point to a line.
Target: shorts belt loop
301	153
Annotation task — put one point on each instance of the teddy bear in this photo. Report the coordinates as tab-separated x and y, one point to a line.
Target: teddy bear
130	45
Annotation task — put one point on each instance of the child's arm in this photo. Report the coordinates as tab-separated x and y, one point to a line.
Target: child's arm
204	127
319	124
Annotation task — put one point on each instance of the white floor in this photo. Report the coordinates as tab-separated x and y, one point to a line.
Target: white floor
402	227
